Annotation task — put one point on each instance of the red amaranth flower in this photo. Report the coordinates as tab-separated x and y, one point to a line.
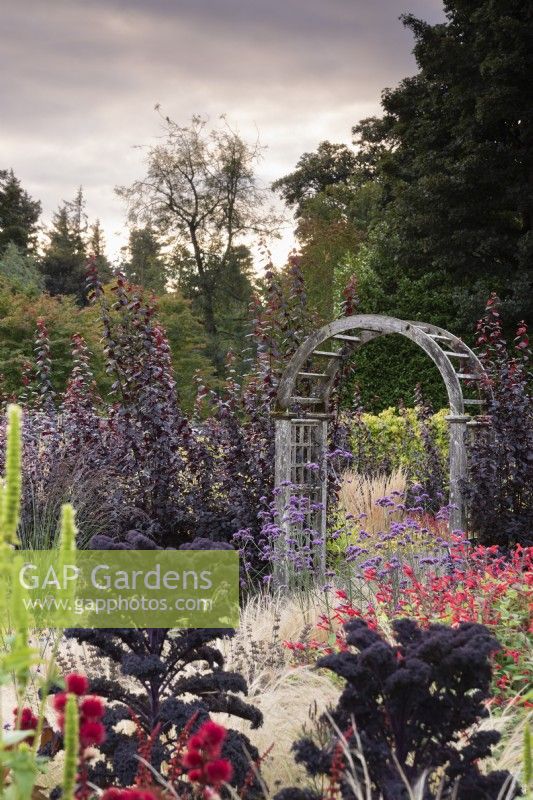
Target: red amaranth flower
218	771
127	794
92	708
27	721
59	702
202	757
77	684
212	735
91	733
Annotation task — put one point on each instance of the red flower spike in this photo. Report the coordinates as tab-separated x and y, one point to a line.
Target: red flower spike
92	707
91	733
218	771
195	742
202	758
212	734
59	702
77	684
27	722
193	758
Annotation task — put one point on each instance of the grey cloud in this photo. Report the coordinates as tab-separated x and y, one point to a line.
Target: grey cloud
79	79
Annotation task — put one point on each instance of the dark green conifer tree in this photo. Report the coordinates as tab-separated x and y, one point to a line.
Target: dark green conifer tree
19	214
63	263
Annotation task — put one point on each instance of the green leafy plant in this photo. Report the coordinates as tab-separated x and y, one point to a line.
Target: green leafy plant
20	760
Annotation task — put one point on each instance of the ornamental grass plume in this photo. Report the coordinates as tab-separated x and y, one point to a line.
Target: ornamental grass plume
358	496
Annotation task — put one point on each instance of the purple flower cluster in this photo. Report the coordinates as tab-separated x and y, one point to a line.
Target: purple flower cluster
287	535
410	537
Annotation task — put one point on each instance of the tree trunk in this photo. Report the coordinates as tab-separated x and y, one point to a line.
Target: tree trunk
208	305
211	328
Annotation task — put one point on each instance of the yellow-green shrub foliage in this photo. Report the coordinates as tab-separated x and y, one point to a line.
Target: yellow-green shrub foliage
394	439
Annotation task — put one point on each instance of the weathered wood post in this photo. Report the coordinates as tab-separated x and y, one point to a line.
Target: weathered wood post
323	497
300	442
458	469
282	477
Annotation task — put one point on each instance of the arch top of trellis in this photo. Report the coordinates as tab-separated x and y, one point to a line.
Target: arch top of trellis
309	377
303	400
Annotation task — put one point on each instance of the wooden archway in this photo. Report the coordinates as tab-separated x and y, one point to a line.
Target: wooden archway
302	408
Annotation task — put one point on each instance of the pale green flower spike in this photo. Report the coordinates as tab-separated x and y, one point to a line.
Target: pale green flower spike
11	495
18	607
67	544
71	740
528	761
68	531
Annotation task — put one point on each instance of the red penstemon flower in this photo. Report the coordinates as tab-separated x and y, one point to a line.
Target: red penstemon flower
479	589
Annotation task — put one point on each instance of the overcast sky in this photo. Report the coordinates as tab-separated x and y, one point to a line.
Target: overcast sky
79	80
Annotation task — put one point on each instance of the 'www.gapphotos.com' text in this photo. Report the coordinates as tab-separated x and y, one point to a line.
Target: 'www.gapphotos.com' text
110	605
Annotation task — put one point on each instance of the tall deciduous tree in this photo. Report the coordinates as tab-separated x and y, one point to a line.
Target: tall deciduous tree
332	164
334	203
200	187
233	296
19	213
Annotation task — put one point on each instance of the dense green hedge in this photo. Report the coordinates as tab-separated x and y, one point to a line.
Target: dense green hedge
386	372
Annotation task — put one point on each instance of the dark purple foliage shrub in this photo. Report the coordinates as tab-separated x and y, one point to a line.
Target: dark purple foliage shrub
82	426
44	392
500	489
239	439
135	456
167	677
65	451
239	433
410	705
178	481
285	318
148	431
